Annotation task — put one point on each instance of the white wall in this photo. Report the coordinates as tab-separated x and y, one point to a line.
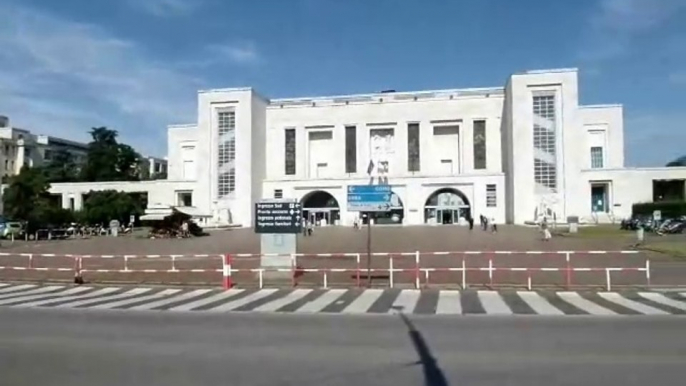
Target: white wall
383	112
179	136
610	119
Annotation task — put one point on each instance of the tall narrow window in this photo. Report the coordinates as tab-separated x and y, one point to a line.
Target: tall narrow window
413	147
597	157
491	196
226	152
290	152
479	145
545	143
350	149
278	193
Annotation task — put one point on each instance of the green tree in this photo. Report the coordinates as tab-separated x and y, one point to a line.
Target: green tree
681	161
61	168
108	160
103	206
26	196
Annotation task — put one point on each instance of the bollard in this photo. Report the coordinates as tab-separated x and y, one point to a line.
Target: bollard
607	279
227	271
390	272
640	234
464	275
416	273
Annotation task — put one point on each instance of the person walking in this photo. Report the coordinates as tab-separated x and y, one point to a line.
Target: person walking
470	220
545	229
494	227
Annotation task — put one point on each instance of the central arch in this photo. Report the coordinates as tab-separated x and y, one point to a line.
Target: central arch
320	208
446	206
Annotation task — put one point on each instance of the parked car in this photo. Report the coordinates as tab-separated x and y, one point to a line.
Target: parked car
11	228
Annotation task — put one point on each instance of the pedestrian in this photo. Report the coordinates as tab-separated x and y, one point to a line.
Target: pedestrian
470	219
304	226
310	229
481	221
545	230
485	223
494	227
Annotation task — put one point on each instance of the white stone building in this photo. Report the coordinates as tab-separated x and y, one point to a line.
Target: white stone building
514	153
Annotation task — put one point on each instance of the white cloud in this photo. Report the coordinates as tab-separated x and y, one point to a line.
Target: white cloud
165	8
60	77
614	25
244	52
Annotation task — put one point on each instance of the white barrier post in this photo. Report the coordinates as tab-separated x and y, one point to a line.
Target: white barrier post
490	272
464	275
416	274
528	280
261	277
126	263
357	270
326	281
390	271
30	260
426	278
607	279
173	263
569	270
648	271
227	271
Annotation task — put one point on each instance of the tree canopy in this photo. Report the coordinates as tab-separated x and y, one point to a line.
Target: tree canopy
681	161
61	168
109	160
103	206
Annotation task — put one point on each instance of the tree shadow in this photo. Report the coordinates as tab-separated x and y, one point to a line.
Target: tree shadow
433	375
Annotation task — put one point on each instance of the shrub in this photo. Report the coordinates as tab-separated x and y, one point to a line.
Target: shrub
669	209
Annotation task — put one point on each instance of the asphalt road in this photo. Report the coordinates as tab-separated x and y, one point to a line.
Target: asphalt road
93	348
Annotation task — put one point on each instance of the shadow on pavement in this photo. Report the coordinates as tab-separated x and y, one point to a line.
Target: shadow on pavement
433	375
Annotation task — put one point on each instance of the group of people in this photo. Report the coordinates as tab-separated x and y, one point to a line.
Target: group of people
484	222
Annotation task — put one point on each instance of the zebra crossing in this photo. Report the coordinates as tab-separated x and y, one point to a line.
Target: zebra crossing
344	301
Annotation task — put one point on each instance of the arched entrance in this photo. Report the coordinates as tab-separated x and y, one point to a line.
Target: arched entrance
320	208
395	215
446	206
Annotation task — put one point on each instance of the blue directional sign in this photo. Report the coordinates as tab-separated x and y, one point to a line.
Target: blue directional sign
369	198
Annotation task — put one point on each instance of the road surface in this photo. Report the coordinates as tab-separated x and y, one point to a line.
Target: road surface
89	347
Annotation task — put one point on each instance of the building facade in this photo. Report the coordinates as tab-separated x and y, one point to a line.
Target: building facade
514	154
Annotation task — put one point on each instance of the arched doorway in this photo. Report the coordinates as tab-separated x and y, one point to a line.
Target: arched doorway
446	206
320	208
395	214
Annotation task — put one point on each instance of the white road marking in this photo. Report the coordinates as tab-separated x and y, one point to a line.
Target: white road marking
288	299
588	306
3	285
207	300
69	291
16	288
662	299
119	303
538	303
127	294
38	290
173	299
93	294
363	302
232	305
631	304
318	304
493	303
406	301
449	303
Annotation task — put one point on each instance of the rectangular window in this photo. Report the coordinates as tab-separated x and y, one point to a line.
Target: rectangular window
413	147
226	152
491	197
290	152
479	145
545	142
597	157
351	149
278	193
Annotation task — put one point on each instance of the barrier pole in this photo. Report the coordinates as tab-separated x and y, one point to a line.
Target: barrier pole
490	272
416	270
126	263
30	260
326	281
293	280
426	278
173	263
464	275
569	271
357	270
648	271
528	280
607	279
390	271
227	271
260	275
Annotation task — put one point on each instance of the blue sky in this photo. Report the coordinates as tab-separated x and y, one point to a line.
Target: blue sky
135	65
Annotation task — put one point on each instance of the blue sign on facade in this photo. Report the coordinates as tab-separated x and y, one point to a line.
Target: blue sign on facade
369	198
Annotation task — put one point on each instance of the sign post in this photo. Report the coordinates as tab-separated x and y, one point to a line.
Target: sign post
278	222
369	199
